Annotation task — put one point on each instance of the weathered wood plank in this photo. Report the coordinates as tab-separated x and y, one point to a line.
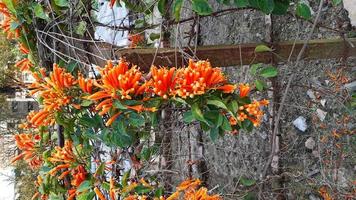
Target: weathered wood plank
232	55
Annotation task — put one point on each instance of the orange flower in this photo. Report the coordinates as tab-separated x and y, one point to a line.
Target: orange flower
40	118
85	84
63	154
4	10
57	168
163	81
228	88
252	112
232	120
27	144
24	64
24	49
118	79
53	89
6	26
112	119
79	175
197	78
189	188
99	193
112	189
135	39
244	90
190	183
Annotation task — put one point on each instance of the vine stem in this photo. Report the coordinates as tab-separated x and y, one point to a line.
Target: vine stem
285	93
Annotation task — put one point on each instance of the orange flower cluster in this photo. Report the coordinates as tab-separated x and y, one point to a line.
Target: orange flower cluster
251	112
63	154
118	82
27	144
123	82
163	81
39	118
189	190
53	91
199	77
24	64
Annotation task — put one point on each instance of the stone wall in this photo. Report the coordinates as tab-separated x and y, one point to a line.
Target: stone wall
301	163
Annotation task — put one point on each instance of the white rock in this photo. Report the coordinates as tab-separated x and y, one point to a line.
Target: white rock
316	153
311	94
323	102
310	143
300	123
321	114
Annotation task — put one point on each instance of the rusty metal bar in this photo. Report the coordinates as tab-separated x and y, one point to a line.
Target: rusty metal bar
232	55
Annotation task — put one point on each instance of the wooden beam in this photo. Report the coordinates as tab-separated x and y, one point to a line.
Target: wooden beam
232	55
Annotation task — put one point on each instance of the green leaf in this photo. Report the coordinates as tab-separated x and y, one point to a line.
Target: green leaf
61	3
119	105
119	137
247	182
201	7
303	10
81	28
266	6
241	3
177	6
86	196
72	66
84	186
140	189
259	85
88	121
214	118
159	192
262	48
336	2
254	68
214	134
226	124
268	72
281	7
179	100
233	106
217	103
136	119
250	196
125	178
247	125
39	12
225	2
197	114
86	103
162	6
188	117
154	36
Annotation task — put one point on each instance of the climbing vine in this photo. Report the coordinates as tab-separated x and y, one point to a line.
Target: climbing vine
119	107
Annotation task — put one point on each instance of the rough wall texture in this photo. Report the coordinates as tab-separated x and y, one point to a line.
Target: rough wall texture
302	166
